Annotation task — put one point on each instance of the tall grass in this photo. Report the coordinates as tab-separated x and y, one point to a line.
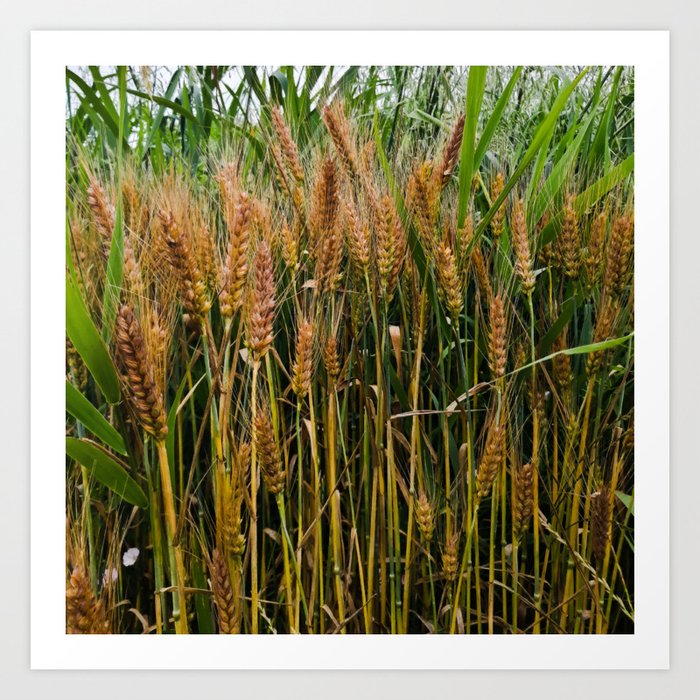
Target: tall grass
350	351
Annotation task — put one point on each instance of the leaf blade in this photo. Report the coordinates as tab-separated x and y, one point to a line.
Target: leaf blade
106	470
476	83
533	149
81	409
495	118
89	344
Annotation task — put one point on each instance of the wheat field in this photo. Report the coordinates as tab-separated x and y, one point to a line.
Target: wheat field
349	350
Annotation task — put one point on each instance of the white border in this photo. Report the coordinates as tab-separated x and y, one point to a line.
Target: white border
648	647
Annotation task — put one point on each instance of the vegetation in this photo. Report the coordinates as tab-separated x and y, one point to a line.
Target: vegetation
350	350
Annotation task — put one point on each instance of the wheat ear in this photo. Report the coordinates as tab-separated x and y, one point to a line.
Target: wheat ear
85	613
223	594
268	453
303	366
102	211
450	285
235	269
490	461
569	242
600	522
497	337
140	374
619	253
523	259
450	154
523	498
289	148
339	128
262	304
497	220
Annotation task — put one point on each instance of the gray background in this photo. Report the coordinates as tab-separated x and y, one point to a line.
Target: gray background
16	681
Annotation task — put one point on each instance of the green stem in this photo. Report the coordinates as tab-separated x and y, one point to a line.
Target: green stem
535	470
253	534
175	551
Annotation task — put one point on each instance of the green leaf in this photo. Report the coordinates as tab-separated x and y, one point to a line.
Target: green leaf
115	270
163	105
494	119
115	262
165	102
256	86
567	311
475	96
313	73
106	470
627	500
561	170
580	350
87	341
614	177
172	418
420	115
98	83
533	149
81	409
589	197
69	257
539	164
278	86
601	145
123	107
202	603
105	110
345	80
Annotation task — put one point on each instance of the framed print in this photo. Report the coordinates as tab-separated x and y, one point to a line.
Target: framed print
350	350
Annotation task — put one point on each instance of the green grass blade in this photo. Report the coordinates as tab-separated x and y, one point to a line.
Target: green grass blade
345	81
533	149
589	197
420	115
495	118
164	103
627	500
565	315
279	86
69	257
106	470
475	95
98	83
89	344
579	350
561	170
312	74
81	409
172	421
115	262
601	143
540	162
94	100
202	602
115	271
256	86
610	180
